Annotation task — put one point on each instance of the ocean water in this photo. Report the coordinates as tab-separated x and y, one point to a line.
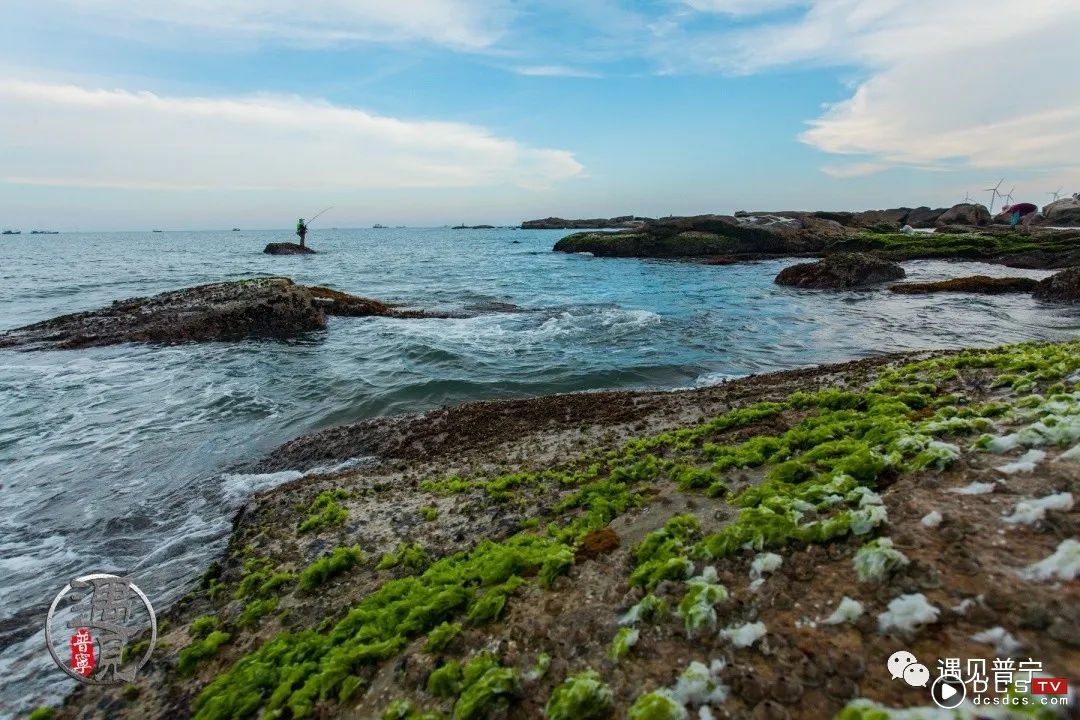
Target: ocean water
125	459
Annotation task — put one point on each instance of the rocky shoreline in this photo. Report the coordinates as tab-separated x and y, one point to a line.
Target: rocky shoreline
719	239
759	548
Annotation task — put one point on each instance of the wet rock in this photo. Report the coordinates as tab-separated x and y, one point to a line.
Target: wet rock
263	307
974	284
1063	287
842	270
769	710
970	214
287	248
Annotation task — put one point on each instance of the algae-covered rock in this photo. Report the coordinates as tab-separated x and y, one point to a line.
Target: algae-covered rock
974	284
1063	287
842	270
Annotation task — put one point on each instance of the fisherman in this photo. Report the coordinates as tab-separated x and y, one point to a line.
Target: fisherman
301	230
1018	211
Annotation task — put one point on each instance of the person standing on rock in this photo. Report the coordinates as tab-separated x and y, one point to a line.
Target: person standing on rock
301	230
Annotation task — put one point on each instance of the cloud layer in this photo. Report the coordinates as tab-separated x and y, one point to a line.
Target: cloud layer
982	83
74	136
461	24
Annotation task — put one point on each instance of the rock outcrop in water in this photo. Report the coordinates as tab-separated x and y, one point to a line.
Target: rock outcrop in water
287	248
257	308
975	284
1063	287
555	223
722	239
842	270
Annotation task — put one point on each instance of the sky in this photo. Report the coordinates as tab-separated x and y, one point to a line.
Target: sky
204	114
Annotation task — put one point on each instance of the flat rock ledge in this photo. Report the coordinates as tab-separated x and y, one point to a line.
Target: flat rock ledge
842	270
274	307
975	284
1063	287
287	248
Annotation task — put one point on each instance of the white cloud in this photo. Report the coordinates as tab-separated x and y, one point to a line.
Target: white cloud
556	71
741	7
977	83
461	24
73	136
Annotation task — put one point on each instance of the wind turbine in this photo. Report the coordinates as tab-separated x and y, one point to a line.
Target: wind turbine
994	194
1008	196
967	197
1056	194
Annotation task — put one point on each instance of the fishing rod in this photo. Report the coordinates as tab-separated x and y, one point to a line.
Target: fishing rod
317	215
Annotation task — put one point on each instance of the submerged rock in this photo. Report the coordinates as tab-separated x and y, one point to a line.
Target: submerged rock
842	270
287	248
973	284
1063	287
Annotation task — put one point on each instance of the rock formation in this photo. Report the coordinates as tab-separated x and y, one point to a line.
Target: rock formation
974	284
842	270
1063	287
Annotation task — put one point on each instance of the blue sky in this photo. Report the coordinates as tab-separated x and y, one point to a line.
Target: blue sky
125	114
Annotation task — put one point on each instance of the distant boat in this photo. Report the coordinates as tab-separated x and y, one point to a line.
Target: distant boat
377	226
44	232
11	232
155	231
236	229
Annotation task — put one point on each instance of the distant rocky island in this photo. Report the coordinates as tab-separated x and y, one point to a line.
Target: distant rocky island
965	231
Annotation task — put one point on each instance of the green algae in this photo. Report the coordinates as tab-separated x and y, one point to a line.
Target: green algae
489	606
811	494
341	560
299	670
255	610
429	513
441	636
486	686
582	696
445	681
624	640
198	651
42	713
411	556
325	512
202	626
657	705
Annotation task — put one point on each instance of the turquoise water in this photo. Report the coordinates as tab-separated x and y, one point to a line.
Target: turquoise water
125	458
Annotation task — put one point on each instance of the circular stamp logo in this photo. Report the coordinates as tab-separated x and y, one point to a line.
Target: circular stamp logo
90	626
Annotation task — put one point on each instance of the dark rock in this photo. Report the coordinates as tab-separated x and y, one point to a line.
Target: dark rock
555	223
1063	287
263	307
965	214
881	220
924	217
698	236
287	248
974	284
1063	213
842	270
1042	260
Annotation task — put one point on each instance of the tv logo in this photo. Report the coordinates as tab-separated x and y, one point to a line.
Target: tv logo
1049	686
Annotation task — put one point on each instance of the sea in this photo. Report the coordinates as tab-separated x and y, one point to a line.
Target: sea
131	459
